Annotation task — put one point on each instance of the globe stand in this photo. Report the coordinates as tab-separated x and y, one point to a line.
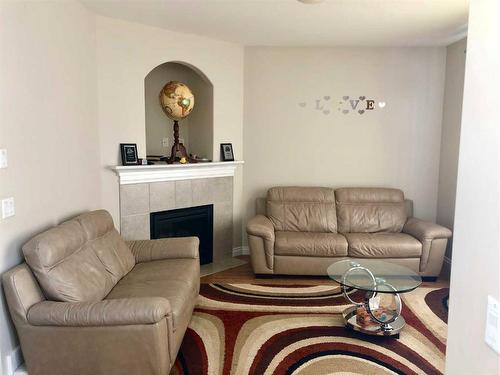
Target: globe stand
178	149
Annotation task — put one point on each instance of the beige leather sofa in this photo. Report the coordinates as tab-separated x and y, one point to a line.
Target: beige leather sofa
302	230
86	302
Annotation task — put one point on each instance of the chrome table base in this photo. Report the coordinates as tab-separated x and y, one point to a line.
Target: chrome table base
389	327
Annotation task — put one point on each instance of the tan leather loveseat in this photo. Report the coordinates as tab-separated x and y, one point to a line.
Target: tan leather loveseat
305	229
86	302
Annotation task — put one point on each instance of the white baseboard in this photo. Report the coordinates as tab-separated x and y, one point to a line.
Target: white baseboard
240	250
14	360
21	370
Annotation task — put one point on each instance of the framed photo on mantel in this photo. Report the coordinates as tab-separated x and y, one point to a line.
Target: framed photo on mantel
129	153
226	151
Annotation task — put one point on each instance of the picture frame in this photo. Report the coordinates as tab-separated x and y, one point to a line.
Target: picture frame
129	153
226	152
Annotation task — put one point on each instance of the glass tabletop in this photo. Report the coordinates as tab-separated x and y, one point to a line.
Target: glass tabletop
374	275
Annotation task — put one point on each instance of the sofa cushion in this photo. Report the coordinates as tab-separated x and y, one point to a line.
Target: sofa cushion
107	243
79	260
177	280
370	210
383	245
310	244
302	209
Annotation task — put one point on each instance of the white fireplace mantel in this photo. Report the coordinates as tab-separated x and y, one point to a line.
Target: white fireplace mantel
136	174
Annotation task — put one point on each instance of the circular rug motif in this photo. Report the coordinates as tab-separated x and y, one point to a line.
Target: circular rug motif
296	329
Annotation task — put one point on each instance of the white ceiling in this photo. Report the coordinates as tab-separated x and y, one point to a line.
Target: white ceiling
291	23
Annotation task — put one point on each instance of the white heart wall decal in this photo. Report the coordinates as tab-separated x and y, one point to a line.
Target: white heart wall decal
381	104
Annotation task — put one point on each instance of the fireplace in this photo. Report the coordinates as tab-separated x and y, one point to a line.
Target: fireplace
192	221
146	189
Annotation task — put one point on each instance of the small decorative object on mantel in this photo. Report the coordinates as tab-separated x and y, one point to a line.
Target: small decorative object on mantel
199	159
226	150
129	153
177	102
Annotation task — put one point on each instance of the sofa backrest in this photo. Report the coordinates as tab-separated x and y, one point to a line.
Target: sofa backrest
79	260
302	209
260	206
369	210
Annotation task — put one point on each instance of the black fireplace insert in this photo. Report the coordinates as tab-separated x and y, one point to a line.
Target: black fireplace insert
192	221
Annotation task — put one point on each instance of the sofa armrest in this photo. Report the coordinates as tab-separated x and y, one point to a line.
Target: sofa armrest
261	226
165	248
425	230
261	239
434	239
112	312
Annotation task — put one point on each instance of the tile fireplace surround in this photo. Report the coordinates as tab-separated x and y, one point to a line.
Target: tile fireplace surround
155	188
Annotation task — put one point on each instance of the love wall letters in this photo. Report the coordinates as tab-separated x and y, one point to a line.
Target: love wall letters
346	105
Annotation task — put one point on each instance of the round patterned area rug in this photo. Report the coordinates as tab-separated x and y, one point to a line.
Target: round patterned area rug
268	329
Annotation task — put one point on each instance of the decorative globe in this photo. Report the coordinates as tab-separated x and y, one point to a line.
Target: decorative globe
177	100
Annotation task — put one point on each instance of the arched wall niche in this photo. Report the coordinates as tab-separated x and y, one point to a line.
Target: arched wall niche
196	131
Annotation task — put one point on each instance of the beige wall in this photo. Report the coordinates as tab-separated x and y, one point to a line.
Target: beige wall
201	119
126	53
450	135
397	146
47	123
476	263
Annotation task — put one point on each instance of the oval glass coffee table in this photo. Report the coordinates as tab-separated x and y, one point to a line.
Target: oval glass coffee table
372	277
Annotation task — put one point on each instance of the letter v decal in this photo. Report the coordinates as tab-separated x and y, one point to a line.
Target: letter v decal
354	103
